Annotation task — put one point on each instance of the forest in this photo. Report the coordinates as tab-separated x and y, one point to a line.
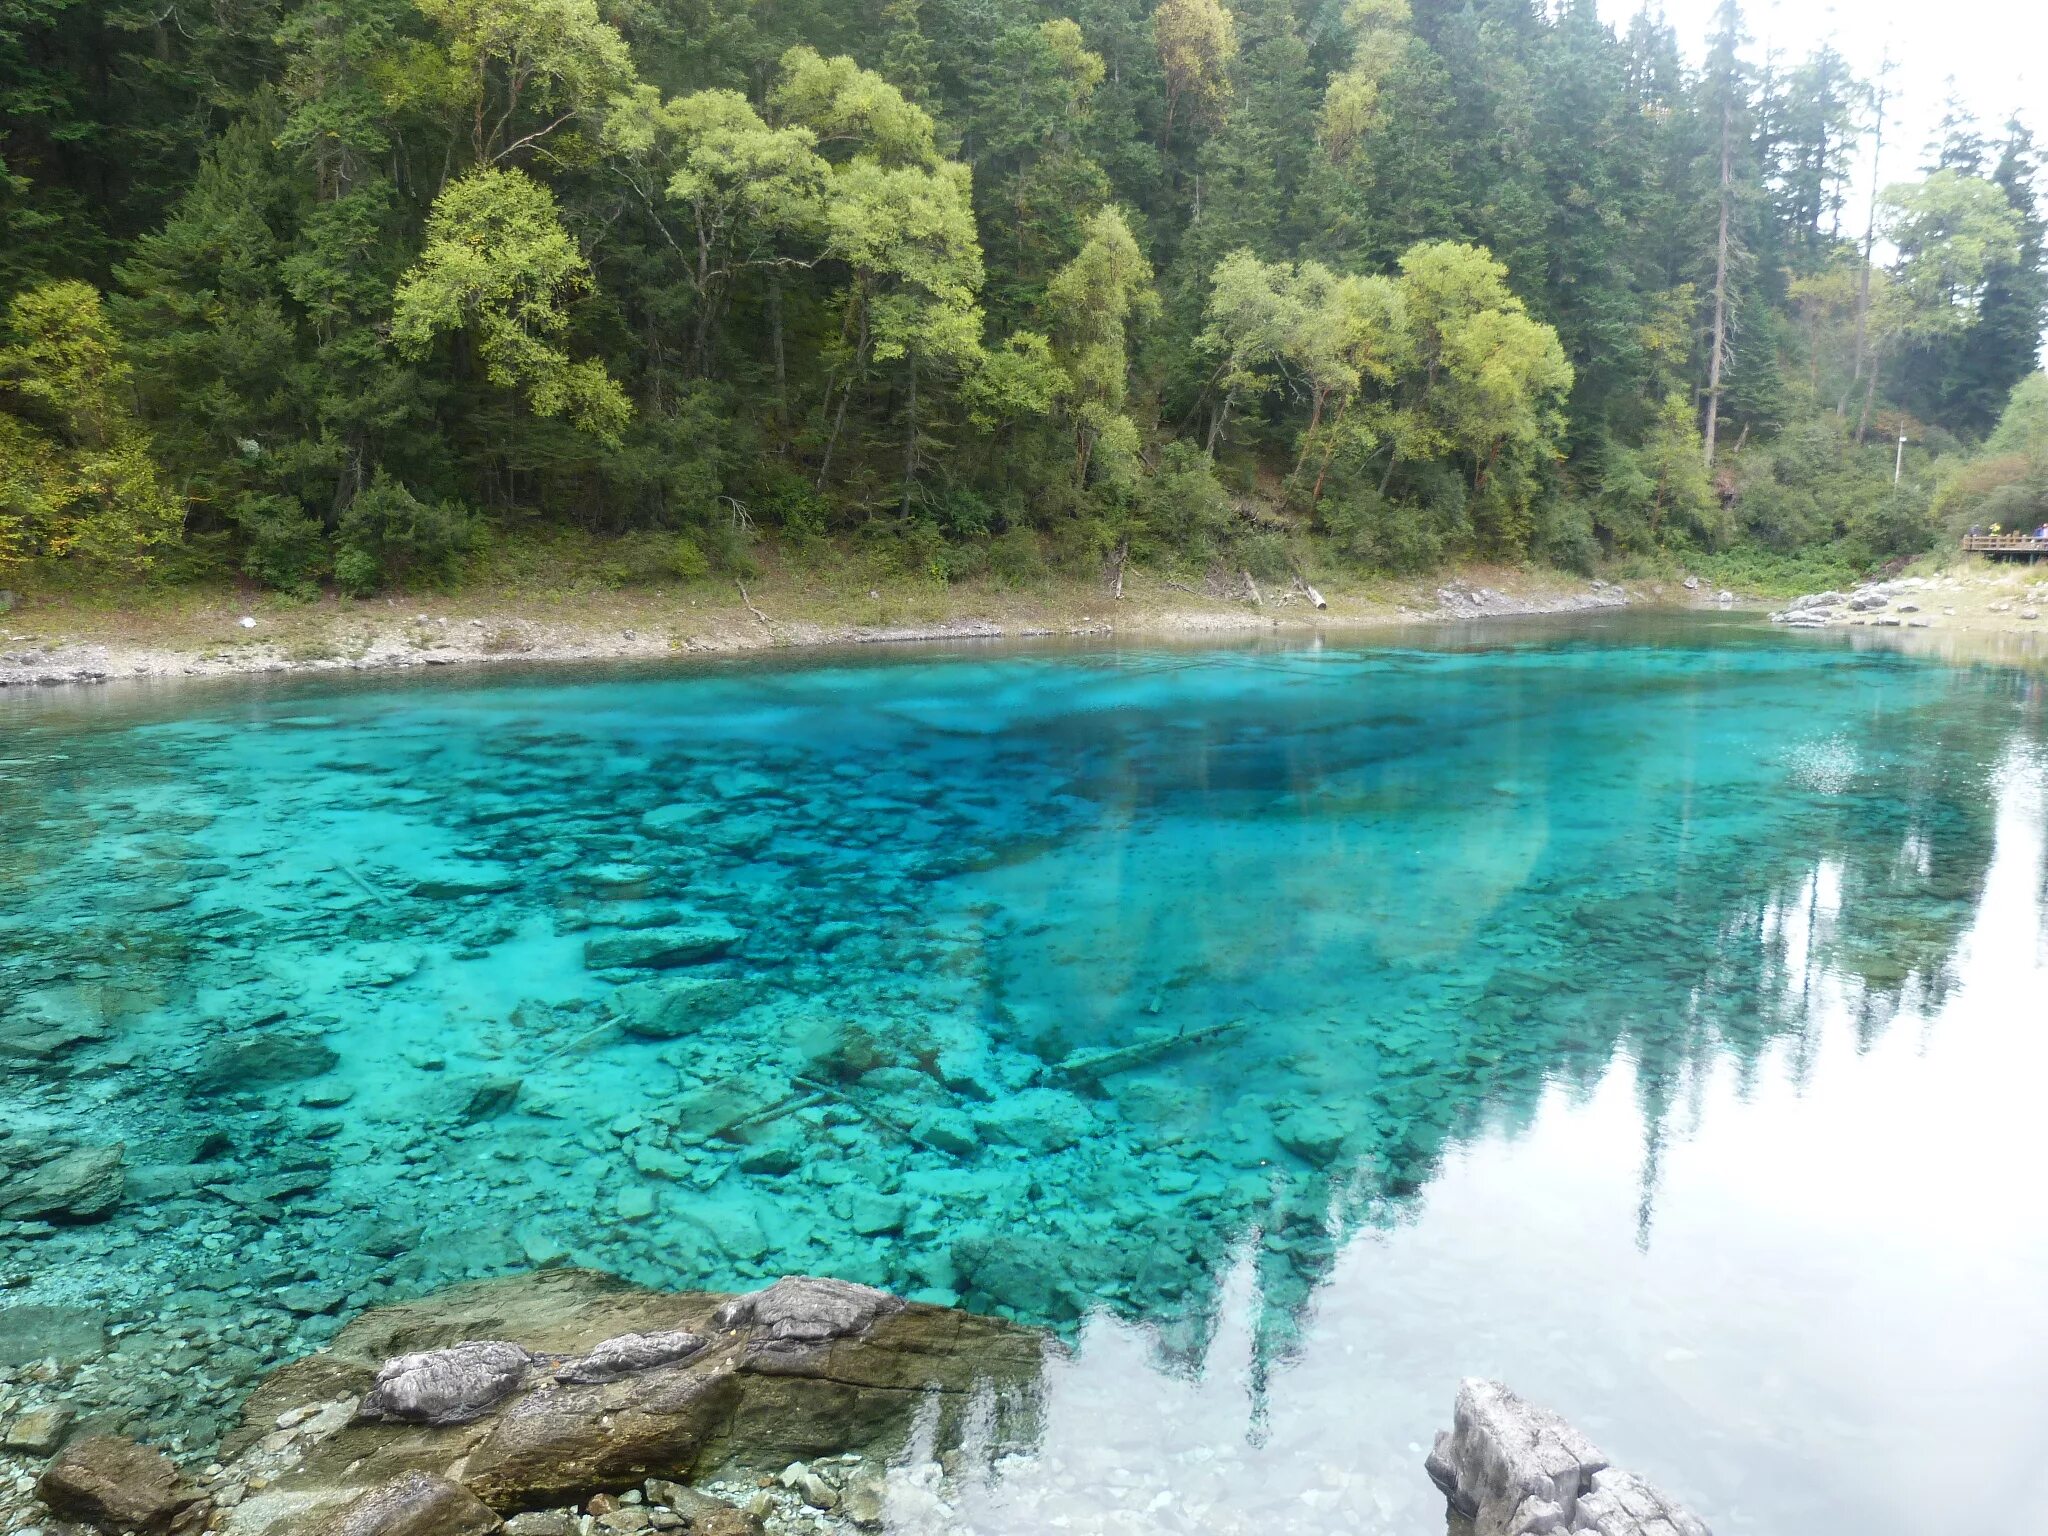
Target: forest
342	294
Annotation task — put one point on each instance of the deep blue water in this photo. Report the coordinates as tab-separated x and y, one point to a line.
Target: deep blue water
1647	1011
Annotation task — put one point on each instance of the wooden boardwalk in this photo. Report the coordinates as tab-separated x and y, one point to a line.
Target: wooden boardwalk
2006	546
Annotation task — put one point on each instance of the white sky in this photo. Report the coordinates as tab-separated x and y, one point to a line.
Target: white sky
1997	50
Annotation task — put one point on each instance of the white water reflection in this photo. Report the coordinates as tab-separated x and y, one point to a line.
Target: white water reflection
1839	1323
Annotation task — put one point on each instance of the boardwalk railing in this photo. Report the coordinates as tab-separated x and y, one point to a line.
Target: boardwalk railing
2004	544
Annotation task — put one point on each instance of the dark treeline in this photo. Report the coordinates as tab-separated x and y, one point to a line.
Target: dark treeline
339	289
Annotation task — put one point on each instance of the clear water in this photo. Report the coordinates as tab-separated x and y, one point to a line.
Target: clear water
1648	1012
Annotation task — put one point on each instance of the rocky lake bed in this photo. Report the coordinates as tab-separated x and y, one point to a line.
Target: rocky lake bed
1006	985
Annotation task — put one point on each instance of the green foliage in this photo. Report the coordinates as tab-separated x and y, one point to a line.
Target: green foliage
520	69
78	477
499	263
996	289
284	546
2006	484
2023	424
1185	513
388	538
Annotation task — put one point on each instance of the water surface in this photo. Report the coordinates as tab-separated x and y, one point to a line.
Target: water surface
1648	1012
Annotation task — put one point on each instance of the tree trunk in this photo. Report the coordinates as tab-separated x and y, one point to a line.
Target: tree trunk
910	439
775	349
1720	347
860	363
1869	245
1216	426
1315	419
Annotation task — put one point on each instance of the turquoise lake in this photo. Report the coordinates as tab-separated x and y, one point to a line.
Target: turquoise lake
1650	1012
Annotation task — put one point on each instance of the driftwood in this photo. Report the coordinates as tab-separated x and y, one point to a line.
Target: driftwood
1093	1066
1123	553
1253	588
607	1027
775	1111
368	889
757	613
1310	593
866	1111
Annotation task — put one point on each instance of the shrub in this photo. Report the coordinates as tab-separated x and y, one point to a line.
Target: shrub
1185	513
389	538
283	545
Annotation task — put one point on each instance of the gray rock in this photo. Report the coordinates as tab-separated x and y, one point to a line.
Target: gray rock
310	1300
827	937
491	1097
676	823
69	1335
388	1241
264	1062
1622	1504
170	1181
118	1485
541	1522
84	1184
660	948
1517	1470
949	1131
416	1504
746	835
630	1352
446	1386
798	1310
1313	1135
671	1009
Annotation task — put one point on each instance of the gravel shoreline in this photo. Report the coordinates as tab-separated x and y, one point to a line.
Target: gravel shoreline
358	644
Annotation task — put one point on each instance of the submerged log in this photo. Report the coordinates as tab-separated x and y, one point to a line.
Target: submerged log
1092	1066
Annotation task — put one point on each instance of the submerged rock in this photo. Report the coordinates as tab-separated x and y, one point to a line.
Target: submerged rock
446	1386
67	1335
1513	1469
39	1431
118	1485
265	1062
678	823
491	1097
84	1184
669	1010
660	948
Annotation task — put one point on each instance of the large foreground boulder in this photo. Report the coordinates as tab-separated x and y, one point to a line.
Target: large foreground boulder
118	1485
542	1391
1514	1469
